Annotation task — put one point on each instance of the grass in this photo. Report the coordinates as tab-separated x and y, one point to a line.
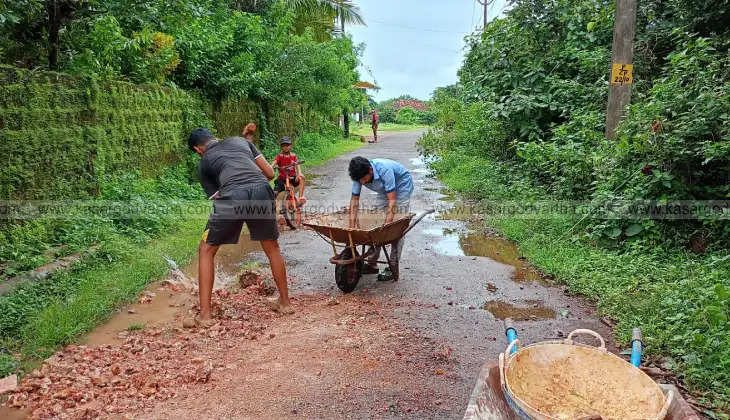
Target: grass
104	285
37	318
680	300
135	327
366	130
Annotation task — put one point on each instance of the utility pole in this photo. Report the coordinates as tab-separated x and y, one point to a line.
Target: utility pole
622	64
345	112
485	4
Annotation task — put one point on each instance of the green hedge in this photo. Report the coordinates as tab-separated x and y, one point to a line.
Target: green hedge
61	135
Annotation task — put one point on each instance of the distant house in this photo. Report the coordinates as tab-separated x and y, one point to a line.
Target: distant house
415	104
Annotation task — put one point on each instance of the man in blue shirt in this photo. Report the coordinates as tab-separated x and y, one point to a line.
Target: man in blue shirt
393	184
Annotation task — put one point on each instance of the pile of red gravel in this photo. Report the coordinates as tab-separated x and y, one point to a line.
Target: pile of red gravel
152	365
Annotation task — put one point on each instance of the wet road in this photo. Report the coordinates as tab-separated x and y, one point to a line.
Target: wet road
462	279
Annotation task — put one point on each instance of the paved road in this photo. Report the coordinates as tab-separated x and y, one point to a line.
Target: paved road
407	349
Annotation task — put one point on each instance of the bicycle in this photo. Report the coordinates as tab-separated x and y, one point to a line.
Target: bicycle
289	206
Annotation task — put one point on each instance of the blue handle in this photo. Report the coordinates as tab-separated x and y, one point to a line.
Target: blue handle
637	347
511	333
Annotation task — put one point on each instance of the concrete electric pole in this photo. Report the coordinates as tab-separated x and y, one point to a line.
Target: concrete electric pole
622	64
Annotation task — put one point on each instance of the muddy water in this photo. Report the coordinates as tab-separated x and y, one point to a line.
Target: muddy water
312	182
420	166
471	243
532	311
7	413
162	304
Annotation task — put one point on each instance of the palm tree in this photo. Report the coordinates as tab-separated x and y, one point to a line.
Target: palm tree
320	15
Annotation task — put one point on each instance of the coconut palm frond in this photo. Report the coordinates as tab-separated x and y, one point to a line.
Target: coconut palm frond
344	9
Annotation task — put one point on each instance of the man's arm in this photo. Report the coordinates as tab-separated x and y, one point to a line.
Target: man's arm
388	178
265	167
261	161
355	203
392	201
354	206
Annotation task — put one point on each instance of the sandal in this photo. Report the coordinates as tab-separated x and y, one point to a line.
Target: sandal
273	304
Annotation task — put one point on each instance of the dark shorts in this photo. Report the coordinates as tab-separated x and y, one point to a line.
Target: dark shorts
251	204
279	185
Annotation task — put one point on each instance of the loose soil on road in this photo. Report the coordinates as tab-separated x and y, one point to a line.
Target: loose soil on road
411	348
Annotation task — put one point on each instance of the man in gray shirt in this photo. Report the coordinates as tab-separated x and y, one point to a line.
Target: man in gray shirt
236	176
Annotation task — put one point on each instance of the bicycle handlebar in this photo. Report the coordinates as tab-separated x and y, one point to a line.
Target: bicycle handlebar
289	166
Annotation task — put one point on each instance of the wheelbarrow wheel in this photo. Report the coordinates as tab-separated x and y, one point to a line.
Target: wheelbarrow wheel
347	275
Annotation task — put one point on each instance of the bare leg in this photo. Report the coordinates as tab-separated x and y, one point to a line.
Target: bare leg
278	269
206	276
302	181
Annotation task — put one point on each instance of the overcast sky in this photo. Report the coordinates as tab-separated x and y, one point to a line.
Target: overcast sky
415	46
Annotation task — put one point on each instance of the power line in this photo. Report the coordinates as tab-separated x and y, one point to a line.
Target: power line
416	29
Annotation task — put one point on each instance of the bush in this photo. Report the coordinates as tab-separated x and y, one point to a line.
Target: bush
386	114
566	163
476	131
146	57
406	116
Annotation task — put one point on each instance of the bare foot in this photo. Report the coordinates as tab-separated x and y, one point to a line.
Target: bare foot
205	322
275	305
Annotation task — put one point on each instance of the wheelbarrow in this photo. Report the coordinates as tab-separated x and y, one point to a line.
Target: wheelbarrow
348	260
541	381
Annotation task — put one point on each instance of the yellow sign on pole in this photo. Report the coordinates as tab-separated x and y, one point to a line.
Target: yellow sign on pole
622	74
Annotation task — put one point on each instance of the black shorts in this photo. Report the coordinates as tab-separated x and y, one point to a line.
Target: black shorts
250	204
279	185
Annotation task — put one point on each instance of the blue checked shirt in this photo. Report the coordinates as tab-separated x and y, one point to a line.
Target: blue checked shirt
388	176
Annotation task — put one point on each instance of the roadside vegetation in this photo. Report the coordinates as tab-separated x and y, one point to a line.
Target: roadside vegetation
131	83
525	123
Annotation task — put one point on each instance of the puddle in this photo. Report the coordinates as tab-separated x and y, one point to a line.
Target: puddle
473	244
447	196
161	309
228	260
533	310
312	183
459	211
420	166
164	303
7	413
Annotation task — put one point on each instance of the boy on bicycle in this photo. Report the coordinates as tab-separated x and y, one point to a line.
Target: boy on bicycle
296	178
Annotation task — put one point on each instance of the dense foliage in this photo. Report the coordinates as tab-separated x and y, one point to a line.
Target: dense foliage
529	110
405	109
538	78
220	49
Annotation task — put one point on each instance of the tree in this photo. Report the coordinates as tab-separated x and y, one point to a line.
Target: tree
321	16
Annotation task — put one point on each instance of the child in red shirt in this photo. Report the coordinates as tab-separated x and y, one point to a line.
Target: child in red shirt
296	178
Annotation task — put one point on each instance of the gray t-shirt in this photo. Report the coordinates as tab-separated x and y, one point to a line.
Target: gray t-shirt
229	164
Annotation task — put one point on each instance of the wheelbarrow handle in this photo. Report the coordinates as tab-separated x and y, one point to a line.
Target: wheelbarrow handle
417	219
